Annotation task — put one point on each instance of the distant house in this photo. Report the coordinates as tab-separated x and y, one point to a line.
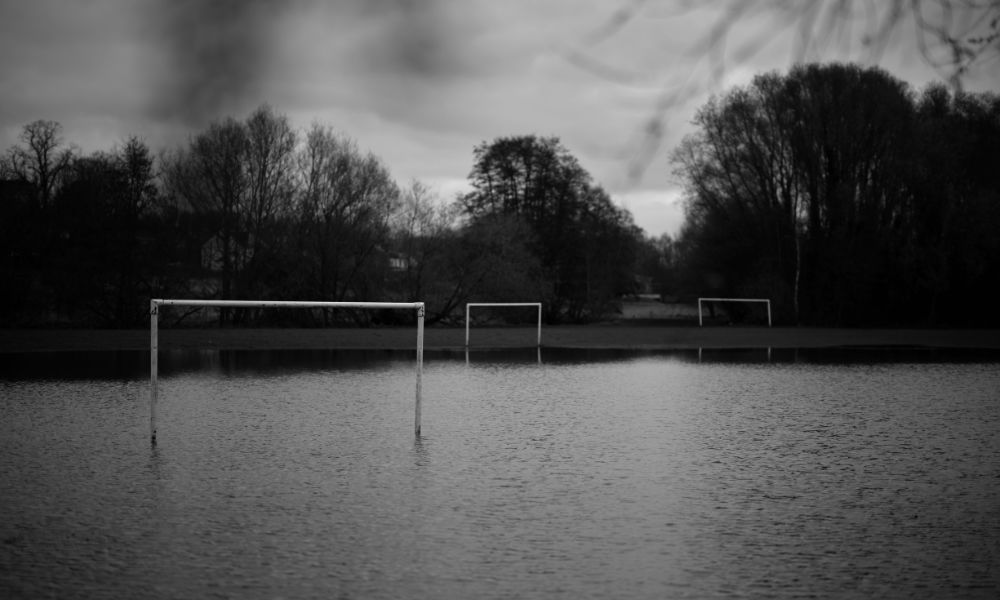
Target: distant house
400	262
212	252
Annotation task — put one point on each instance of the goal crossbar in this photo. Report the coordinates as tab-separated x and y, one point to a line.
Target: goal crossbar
764	300
469	306
154	312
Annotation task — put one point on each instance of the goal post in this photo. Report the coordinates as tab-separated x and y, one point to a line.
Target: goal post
154	316
470	305
764	300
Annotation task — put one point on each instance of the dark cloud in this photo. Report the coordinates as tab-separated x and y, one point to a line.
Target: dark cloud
220	54
415	38
217	53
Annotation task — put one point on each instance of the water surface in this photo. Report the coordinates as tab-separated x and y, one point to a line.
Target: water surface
574	475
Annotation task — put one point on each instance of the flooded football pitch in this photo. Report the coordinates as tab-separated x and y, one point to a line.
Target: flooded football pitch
574	474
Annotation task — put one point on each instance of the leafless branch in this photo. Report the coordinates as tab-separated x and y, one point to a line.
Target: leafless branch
955	37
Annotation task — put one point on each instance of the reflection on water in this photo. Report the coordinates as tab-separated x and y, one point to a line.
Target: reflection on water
588	474
128	365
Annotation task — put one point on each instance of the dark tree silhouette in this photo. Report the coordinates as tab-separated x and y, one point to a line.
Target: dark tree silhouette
40	161
584	242
209	176
813	189
346	199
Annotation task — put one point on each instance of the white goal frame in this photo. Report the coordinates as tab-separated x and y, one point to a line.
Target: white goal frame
765	300
469	305
154	312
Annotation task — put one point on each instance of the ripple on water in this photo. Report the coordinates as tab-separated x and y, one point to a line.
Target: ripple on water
635	477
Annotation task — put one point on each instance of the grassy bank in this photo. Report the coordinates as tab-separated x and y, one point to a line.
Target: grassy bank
617	336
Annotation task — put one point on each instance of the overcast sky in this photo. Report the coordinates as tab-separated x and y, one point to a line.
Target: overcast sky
418	82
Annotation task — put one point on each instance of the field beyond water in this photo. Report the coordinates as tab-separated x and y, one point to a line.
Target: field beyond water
603	336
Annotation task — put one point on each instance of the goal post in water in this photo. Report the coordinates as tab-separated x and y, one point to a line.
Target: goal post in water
764	300
469	306
154	316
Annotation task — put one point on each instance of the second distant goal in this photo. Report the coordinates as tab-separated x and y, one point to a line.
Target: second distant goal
470	305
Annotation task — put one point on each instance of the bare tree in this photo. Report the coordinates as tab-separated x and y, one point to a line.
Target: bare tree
136	162
271	186
210	175
421	227
136	195
41	160
817	187
345	202
579	236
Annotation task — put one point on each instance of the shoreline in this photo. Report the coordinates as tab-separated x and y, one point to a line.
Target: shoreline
617	336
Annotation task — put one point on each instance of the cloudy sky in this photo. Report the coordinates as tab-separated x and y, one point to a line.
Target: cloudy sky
421	82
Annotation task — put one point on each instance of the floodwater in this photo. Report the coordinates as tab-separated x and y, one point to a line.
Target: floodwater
538	475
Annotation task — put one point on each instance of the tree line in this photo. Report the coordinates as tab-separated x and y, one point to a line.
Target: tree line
846	198
834	190
252	208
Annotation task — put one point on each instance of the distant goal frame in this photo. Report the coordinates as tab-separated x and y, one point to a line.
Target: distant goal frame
764	300
154	318
470	305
